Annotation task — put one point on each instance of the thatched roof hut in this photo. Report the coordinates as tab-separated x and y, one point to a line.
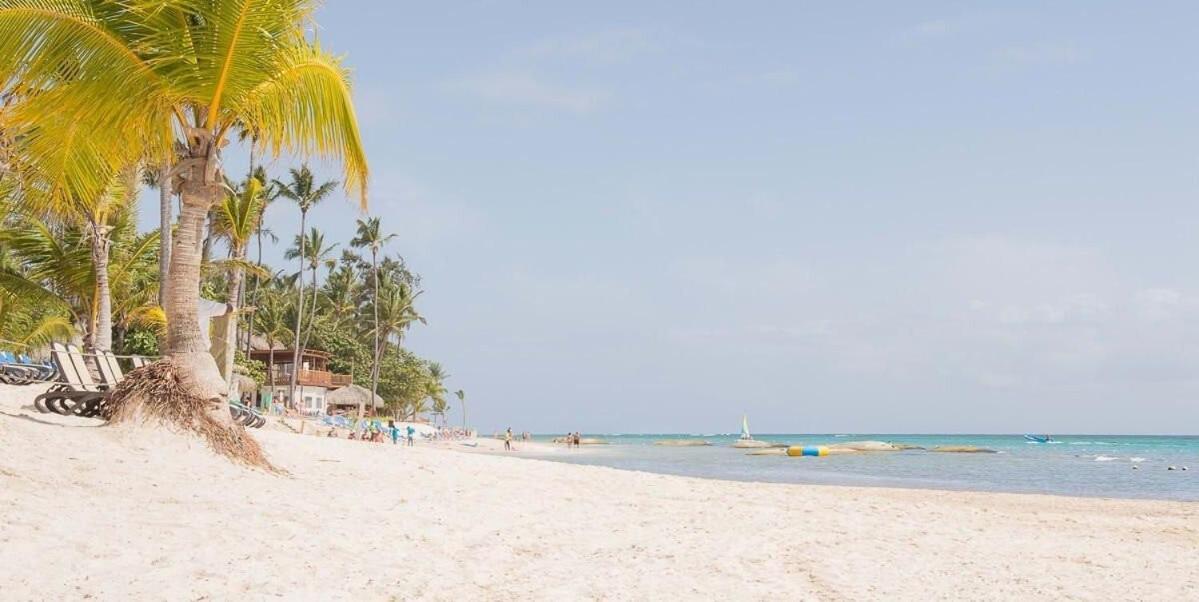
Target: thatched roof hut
351	396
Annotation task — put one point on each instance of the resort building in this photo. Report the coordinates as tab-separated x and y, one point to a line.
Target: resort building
314	381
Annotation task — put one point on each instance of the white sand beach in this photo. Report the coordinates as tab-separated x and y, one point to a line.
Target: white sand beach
114	514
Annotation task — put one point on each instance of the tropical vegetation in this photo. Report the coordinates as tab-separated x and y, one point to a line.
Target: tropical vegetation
99	98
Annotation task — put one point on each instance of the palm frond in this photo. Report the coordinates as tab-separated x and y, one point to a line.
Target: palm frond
306	108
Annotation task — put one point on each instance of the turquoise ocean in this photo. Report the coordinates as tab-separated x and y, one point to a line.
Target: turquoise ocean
1079	465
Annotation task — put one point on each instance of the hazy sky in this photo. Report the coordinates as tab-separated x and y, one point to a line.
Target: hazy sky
847	217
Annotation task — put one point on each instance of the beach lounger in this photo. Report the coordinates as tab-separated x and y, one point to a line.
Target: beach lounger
246	416
46	371
77	394
12	372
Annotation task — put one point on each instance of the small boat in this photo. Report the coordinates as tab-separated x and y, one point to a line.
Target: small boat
1039	438
747	440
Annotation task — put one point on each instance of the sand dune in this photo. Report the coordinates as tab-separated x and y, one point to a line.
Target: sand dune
120	514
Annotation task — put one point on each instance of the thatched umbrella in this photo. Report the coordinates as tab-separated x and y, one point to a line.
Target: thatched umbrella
352	396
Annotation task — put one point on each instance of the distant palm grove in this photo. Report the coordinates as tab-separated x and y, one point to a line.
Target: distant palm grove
100	101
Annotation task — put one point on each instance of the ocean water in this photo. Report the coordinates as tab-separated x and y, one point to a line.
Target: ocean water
1079	465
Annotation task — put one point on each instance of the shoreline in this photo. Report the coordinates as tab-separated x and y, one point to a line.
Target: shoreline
159	516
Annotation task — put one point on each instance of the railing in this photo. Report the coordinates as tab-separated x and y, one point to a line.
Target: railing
315	378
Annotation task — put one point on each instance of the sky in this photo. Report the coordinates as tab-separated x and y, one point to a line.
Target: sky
833	217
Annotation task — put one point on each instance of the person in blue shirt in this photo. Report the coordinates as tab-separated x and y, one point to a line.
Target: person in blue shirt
395	432
411	435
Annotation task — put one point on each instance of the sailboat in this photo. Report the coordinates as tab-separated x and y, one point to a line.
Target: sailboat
747	440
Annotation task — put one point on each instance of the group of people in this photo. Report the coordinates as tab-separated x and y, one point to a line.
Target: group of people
373	434
570	439
508	436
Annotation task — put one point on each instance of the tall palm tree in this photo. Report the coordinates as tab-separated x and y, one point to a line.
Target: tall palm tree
273	323
96	215
270	192
436	388
98	86
461	395
236	222
315	254
306	195
59	257
370	235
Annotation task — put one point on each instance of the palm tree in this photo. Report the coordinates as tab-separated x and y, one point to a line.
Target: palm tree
270	192
236	222
96	217
436	388
98	86
315	254
417	407
59	257
273	323
461	395
30	315
306	195
158	177
370	235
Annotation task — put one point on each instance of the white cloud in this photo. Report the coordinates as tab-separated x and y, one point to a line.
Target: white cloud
524	89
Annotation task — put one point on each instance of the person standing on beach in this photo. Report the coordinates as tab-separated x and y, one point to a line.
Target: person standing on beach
508	439
411	435
395	431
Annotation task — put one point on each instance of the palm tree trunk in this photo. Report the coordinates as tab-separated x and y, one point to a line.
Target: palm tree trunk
185	344
378	349
311	313
254	293
165	211
235	280
295	361
206	248
102	335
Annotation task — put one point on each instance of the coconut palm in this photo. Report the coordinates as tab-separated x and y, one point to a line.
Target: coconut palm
95	215
270	192
93	259
273	323
314	254
98	86
395	306
306	195
370	235
31	316
435	388
236	222
461	395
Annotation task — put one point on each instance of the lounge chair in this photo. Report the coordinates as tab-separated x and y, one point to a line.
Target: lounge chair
78	394
110	369
246	416
46	371
13	373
